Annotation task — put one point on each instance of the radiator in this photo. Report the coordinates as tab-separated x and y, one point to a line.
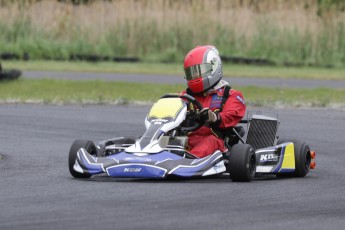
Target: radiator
262	131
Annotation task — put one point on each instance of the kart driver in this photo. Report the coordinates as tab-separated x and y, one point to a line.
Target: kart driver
223	107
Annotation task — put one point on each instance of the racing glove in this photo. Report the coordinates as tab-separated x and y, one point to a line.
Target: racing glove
209	117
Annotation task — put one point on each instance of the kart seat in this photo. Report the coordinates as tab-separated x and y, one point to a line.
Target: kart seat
233	135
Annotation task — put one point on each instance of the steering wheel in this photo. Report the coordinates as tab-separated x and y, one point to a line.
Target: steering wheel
191	115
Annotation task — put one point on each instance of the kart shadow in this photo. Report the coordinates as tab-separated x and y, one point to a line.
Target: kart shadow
209	179
224	178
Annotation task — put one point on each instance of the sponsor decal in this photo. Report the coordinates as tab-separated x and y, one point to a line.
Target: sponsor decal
159	121
133	170
137	159
219	167
268	157
240	99
216	101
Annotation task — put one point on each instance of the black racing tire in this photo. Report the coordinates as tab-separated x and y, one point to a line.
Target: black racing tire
89	146
302	158
10	74
242	163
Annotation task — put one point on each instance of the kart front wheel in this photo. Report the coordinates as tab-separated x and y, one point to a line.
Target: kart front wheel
89	146
302	158
242	163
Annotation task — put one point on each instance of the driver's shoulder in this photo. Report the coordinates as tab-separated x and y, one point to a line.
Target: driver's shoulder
235	92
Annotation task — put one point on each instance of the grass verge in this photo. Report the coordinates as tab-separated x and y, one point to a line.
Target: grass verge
304	31
48	91
233	70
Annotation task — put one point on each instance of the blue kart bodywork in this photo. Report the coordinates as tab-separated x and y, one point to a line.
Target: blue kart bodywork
159	165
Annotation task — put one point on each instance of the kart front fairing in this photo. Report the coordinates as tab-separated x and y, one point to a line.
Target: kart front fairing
159	165
150	156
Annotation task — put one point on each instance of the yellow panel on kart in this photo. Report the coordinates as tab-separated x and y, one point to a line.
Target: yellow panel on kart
289	157
166	107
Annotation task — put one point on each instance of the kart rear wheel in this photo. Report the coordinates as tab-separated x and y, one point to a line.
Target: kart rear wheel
242	163
89	146
302	158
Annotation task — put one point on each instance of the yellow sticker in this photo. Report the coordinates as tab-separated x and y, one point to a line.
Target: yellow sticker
289	157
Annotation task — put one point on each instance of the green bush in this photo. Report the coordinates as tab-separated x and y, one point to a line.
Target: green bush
168	41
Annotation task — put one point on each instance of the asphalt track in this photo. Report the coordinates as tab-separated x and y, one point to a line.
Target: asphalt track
169	79
37	191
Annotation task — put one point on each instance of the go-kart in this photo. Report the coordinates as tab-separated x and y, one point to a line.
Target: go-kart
10	74
161	152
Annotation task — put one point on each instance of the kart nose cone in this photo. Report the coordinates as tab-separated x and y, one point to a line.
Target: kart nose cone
136	171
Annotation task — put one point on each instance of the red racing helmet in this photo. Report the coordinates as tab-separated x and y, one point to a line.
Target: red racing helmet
203	68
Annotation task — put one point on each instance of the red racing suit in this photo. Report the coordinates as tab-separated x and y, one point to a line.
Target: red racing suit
204	141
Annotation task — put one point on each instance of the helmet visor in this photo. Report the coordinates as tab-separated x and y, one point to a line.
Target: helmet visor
196	71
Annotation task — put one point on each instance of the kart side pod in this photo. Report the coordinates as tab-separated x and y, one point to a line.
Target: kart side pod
277	159
291	158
